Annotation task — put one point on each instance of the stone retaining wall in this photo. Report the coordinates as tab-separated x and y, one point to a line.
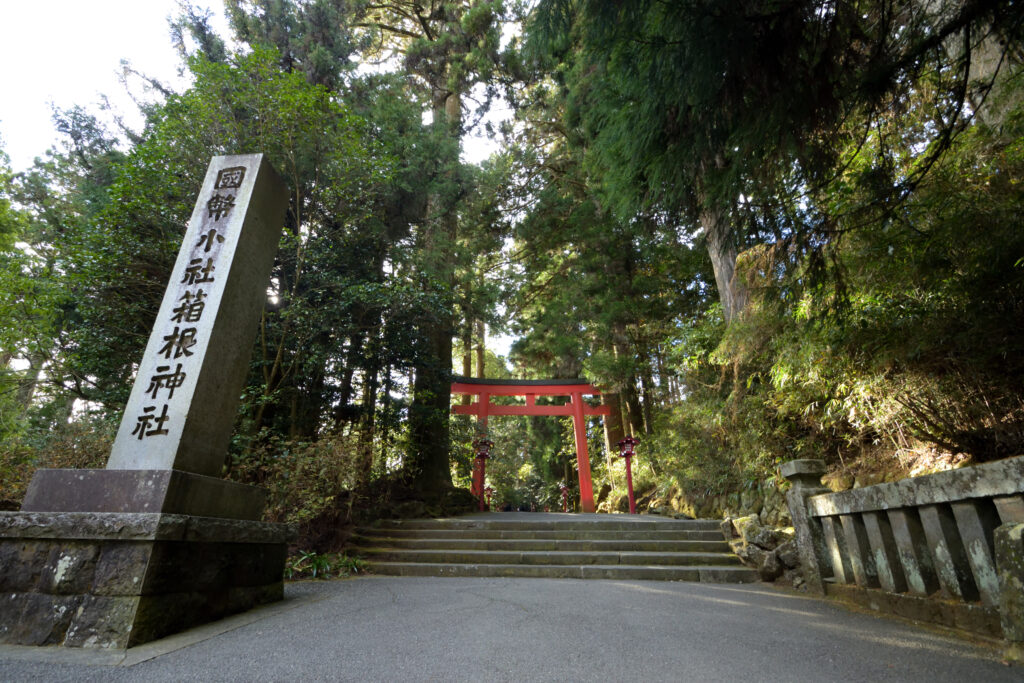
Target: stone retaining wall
954	537
768	503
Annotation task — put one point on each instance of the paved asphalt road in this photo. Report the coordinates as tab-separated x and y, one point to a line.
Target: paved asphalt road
433	629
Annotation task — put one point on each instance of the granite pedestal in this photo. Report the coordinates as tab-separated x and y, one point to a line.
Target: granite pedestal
118	579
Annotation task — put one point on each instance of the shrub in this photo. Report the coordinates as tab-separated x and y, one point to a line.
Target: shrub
83	443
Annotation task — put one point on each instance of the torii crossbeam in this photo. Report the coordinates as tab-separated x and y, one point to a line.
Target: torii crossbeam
577	408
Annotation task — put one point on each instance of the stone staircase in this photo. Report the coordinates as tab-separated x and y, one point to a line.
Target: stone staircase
552	545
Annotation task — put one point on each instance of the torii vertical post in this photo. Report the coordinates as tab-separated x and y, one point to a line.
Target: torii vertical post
577	408
481	421
477	485
582	456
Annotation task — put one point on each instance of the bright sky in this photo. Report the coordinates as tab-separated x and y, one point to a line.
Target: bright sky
69	52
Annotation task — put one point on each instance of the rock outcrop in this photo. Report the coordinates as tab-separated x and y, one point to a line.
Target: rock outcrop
770	550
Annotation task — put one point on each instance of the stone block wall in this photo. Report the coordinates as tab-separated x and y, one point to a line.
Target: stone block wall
118	580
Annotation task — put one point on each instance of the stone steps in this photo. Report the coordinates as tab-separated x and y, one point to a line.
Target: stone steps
546	523
708	574
554	546
552	534
548	557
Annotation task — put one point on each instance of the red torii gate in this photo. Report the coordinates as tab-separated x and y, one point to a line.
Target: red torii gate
577	408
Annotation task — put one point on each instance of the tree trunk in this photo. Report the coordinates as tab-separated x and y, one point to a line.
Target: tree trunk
613	430
343	411
293	415
634	412
627	393
364	455
647	385
309	404
69	408
481	332
27	386
665	395
467	358
722	250
386	406
630	400
428	417
430	441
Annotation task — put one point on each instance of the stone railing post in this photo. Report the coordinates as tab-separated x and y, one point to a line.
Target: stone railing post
1009	552
805	477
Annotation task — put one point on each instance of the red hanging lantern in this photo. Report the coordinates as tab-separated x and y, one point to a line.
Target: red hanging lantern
626	447
483	452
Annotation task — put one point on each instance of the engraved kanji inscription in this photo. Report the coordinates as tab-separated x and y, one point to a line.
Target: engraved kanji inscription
178	343
166	380
220	205
196	272
190	310
184	399
209	238
230	178
149	424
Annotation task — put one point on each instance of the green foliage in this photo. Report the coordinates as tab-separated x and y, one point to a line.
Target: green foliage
303	480
308	564
689	104
105	228
934	303
830	147
12	221
111	257
79	444
923	346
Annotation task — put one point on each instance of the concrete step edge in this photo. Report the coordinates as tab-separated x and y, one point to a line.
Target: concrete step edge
548	544
707	574
546	534
513	525
552	557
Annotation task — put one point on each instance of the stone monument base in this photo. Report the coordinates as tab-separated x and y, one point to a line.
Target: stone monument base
114	580
168	491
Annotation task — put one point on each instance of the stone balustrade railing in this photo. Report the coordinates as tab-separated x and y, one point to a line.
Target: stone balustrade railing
954	536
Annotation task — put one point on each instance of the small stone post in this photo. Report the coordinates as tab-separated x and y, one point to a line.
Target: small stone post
1009	552
157	542
805	477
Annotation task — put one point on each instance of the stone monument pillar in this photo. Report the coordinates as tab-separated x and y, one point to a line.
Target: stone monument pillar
156	542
